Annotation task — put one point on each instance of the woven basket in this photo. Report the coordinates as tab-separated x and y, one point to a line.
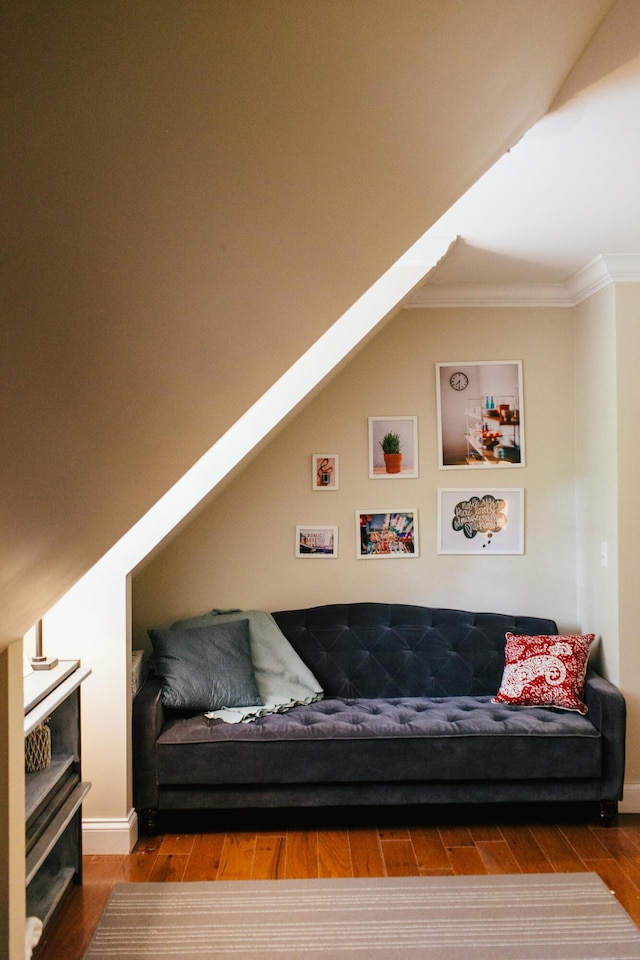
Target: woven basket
37	749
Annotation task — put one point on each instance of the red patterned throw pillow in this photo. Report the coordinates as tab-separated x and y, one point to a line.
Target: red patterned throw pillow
545	671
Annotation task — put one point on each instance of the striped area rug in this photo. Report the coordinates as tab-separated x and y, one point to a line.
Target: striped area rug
525	917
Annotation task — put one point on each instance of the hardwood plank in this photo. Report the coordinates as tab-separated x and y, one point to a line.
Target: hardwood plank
525	850
466	861
301	855
399	858
236	860
456	835
181	843
204	859
497	857
169	867
269	858
430	851
557	849
366	853
585	841
334	855
485	832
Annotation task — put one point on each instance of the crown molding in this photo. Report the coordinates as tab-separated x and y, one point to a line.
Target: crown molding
595	276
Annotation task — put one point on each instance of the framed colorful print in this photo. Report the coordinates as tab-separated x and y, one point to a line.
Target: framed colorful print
390	534
320	542
480	414
325	471
481	522
393	448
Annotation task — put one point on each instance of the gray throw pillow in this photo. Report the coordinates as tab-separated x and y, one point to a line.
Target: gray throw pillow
206	668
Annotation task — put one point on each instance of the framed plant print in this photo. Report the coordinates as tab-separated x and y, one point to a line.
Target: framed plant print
393	448
482	522
325	471
386	534
318	542
480	414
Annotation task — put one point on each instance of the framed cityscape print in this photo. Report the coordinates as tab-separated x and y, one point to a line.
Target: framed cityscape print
480	414
319	542
390	534
483	522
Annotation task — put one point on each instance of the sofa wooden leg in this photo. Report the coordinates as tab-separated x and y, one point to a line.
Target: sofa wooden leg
148	822
608	813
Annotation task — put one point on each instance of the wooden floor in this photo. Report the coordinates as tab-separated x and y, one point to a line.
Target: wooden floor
355	843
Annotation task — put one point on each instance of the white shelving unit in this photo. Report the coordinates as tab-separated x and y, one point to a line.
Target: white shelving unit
53	805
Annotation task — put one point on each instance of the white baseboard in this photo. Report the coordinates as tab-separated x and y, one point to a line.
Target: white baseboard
631	802
115	835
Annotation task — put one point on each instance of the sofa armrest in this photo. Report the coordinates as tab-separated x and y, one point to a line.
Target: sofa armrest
607	712
147	722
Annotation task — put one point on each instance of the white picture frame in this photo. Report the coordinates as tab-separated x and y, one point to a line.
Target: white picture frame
487	522
387	534
480	412
325	471
406	429
316	542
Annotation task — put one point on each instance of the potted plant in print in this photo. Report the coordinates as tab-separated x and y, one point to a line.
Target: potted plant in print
391	448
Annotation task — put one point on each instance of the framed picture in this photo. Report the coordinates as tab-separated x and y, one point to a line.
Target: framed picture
325	471
390	534
480	414
320	542
481	521
393	448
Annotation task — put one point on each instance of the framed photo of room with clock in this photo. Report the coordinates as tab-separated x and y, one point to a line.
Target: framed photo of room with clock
480	414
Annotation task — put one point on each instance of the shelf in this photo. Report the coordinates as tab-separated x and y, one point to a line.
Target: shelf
45	844
44	691
46	892
42	782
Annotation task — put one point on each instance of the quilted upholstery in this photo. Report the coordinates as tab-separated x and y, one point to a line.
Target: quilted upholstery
398	739
376	650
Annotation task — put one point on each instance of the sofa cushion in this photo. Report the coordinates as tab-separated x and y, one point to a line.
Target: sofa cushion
407	739
545	671
400	650
205	668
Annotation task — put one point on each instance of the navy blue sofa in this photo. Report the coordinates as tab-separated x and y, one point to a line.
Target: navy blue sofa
406	718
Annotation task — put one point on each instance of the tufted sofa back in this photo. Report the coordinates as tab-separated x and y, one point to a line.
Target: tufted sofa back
400	650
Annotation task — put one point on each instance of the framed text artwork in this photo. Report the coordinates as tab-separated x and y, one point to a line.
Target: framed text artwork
482	522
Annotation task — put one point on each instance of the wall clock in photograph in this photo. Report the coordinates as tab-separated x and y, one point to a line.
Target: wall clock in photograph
459	380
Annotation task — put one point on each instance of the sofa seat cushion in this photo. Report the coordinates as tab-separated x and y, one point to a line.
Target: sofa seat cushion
407	738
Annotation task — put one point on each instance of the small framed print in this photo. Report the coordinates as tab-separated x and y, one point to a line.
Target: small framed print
386	534
482	522
393	448
325	471
320	542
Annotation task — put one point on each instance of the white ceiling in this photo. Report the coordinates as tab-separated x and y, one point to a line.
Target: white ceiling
560	211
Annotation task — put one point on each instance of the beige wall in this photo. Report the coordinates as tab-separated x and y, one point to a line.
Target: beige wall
597	473
239	551
628	395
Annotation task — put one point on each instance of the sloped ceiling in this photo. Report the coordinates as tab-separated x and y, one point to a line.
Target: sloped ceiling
197	189
558	213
